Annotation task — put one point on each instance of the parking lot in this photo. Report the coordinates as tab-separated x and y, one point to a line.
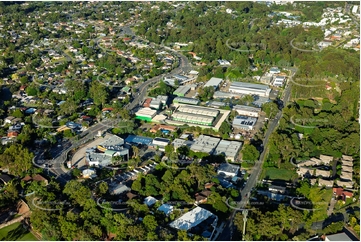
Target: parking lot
134	173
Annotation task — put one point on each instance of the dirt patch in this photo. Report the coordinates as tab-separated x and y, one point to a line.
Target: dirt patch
22	207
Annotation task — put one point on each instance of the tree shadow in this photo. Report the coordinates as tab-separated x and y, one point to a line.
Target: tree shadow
15	234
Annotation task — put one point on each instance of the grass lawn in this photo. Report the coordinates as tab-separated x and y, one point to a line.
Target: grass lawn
16	232
273	173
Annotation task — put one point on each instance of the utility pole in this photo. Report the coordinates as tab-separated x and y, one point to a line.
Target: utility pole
245	213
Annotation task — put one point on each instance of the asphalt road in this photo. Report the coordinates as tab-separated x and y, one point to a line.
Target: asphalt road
227	232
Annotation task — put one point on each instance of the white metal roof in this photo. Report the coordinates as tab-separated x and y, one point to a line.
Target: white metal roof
191	219
213	82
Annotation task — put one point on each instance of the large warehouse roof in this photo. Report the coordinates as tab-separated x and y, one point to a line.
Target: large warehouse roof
247	85
112	140
182	90
186	100
146	112
188	117
139	140
191	219
199	110
213	82
205	144
229	148
246	108
244	120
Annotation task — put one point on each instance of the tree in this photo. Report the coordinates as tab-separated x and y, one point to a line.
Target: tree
103	188
137	185
17	159
76	90
17	113
98	93
206	94
250	153
78	192
270	109
31	91
150	223
124	127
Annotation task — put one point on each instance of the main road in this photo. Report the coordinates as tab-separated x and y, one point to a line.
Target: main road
60	153
227	232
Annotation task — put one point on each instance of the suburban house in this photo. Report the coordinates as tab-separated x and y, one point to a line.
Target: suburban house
37	178
202	196
339	192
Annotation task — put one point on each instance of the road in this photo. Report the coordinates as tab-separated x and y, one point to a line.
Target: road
226	235
60	153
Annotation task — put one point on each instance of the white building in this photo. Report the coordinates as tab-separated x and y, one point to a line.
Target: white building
279	81
250	89
191	219
247	110
274	70
229	149
354	9
228	170
205	144
213	82
244	122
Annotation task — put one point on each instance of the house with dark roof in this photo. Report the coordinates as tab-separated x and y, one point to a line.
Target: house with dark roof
202	196
5	178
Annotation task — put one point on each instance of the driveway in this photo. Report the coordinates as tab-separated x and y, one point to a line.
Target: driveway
332	205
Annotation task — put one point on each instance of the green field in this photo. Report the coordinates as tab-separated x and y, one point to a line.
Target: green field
273	173
16	232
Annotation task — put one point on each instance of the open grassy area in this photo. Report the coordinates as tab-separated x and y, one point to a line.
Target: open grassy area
16	232
273	173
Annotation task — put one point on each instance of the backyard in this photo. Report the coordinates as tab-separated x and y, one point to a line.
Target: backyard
16	232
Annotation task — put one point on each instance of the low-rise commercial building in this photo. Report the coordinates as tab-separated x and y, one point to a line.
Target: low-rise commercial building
205	144
182	91
193	118
213	82
250	89
247	110
229	149
146	114
161	143
181	142
186	100
228	170
134	139
279	81
198	110
244	122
